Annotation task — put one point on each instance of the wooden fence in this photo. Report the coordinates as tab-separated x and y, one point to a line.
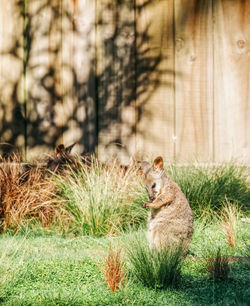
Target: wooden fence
162	77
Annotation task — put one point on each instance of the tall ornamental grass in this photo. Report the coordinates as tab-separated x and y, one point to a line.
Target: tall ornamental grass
25	196
228	219
207	188
102	200
99	200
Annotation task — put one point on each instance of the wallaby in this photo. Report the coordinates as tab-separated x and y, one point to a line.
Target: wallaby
62	158
170	220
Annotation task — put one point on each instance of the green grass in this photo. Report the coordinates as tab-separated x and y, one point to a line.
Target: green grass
101	201
64	271
207	188
156	268
55	258
218	266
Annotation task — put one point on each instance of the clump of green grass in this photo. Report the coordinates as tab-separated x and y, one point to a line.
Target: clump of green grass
206	188
96	199
102	200
155	268
218	266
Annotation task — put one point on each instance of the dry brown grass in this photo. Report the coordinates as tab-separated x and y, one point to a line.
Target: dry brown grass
95	198
228	217
24	195
113	270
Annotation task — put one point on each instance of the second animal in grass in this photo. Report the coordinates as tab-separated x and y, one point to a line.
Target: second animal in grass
170	219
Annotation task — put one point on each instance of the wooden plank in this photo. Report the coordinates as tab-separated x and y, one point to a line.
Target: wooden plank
181	101
116	78
232	80
78	75
194	80
43	76
12	122
155	130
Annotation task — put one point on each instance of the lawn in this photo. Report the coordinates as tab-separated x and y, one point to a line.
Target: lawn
58	232
67	271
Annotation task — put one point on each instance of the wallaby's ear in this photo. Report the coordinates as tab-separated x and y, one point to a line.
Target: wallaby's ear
158	163
69	148
144	165
59	150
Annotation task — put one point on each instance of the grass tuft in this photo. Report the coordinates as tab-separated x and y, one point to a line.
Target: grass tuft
157	269
218	267
207	188
102	200
228	217
25	195
113	270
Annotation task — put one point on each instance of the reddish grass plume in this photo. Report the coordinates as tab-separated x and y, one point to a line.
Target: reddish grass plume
113	270
25	194
228	217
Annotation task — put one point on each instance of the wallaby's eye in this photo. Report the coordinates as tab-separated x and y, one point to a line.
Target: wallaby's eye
153	186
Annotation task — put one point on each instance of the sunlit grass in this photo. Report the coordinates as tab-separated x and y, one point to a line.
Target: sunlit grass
207	188
113	269
99	200
102	200
227	218
59	271
155	268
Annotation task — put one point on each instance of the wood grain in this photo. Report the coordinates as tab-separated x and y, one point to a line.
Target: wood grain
78	75
194	80
43	76
12	104
155	79
116	78
122	78
232	80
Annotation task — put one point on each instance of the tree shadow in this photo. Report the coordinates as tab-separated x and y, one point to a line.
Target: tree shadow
81	75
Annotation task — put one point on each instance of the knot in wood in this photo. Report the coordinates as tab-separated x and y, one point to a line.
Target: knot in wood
192	58
241	43
179	44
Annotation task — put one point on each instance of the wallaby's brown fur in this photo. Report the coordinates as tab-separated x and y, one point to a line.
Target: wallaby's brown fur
61	159
170	220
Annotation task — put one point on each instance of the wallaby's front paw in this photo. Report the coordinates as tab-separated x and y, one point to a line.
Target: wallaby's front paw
144	205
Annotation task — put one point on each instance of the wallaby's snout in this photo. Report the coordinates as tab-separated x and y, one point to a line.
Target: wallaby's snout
151	199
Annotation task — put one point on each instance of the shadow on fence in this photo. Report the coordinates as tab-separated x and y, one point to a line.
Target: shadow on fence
74	77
